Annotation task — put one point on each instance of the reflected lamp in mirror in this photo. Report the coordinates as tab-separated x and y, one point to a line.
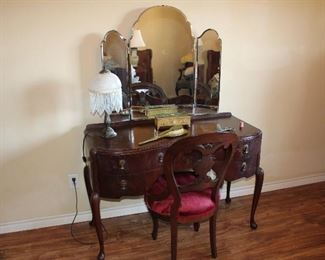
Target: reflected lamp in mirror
105	97
136	42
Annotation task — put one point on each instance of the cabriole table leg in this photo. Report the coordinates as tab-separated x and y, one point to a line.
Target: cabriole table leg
259	177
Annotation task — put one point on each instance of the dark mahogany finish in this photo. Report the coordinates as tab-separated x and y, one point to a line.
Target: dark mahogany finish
144	68
174	195
119	167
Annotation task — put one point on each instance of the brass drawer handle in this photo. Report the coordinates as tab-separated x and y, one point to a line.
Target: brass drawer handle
243	167
122	164
161	157
246	149
124	184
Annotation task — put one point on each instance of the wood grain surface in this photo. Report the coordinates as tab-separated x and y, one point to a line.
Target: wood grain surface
291	225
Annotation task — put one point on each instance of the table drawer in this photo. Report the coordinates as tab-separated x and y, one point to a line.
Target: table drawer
129	163
119	185
118	175
246	159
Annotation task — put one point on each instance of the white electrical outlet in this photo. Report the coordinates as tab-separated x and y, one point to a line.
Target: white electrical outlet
70	177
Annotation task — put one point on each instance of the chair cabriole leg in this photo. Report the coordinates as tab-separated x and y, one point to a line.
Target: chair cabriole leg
173	229
213	235
155	227
196	226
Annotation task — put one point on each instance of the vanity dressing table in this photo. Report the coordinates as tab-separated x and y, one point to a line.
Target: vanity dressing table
120	167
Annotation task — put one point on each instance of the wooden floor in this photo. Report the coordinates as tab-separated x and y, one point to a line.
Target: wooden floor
291	225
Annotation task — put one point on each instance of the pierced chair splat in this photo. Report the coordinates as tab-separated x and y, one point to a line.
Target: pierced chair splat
187	192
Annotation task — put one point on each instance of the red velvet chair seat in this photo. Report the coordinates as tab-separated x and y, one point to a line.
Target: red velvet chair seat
192	203
186	197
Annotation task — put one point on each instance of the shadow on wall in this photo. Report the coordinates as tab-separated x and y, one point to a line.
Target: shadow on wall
51	103
125	27
90	60
35	183
89	66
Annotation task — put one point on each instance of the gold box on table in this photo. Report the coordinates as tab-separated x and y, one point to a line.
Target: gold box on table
152	111
163	121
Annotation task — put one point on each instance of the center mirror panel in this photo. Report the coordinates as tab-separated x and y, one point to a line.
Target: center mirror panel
161	52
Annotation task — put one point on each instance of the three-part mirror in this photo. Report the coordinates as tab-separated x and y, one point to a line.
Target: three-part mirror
163	63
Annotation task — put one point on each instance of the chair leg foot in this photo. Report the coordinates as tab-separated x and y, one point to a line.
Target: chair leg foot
155	227
173	227
196	226
213	235
228	199
101	256
253	225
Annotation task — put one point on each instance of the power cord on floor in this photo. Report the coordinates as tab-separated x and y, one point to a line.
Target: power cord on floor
75	216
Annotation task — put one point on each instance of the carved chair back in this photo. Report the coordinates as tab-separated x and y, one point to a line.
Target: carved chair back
204	158
145	93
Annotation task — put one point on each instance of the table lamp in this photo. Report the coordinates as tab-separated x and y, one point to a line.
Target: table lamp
105	97
136	42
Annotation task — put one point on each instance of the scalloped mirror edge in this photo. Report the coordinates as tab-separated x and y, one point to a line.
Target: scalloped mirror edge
168	6
161	61
114	57
199	90
208	63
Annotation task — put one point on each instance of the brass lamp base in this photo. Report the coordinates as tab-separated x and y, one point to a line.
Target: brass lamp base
109	132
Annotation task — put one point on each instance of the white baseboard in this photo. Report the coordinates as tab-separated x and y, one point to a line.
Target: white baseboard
139	207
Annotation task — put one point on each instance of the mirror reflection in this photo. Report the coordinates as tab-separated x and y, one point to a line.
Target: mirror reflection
162	51
114	51
160	64
208	62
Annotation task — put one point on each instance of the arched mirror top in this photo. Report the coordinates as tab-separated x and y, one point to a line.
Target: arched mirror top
164	14
114	51
210	40
163	63
114	46
161	43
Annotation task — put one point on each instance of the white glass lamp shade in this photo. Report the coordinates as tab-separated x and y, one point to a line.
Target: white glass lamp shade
137	40
106	94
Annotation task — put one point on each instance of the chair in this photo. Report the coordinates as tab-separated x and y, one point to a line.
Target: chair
188	191
145	93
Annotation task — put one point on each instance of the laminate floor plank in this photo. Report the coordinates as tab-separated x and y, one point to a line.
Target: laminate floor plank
291	225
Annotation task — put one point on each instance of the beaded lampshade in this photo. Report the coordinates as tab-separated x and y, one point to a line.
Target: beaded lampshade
105	97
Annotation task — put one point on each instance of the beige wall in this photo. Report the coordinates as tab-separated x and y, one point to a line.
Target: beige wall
273	76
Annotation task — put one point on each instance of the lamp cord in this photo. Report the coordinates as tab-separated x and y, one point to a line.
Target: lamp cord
74	218
76	199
